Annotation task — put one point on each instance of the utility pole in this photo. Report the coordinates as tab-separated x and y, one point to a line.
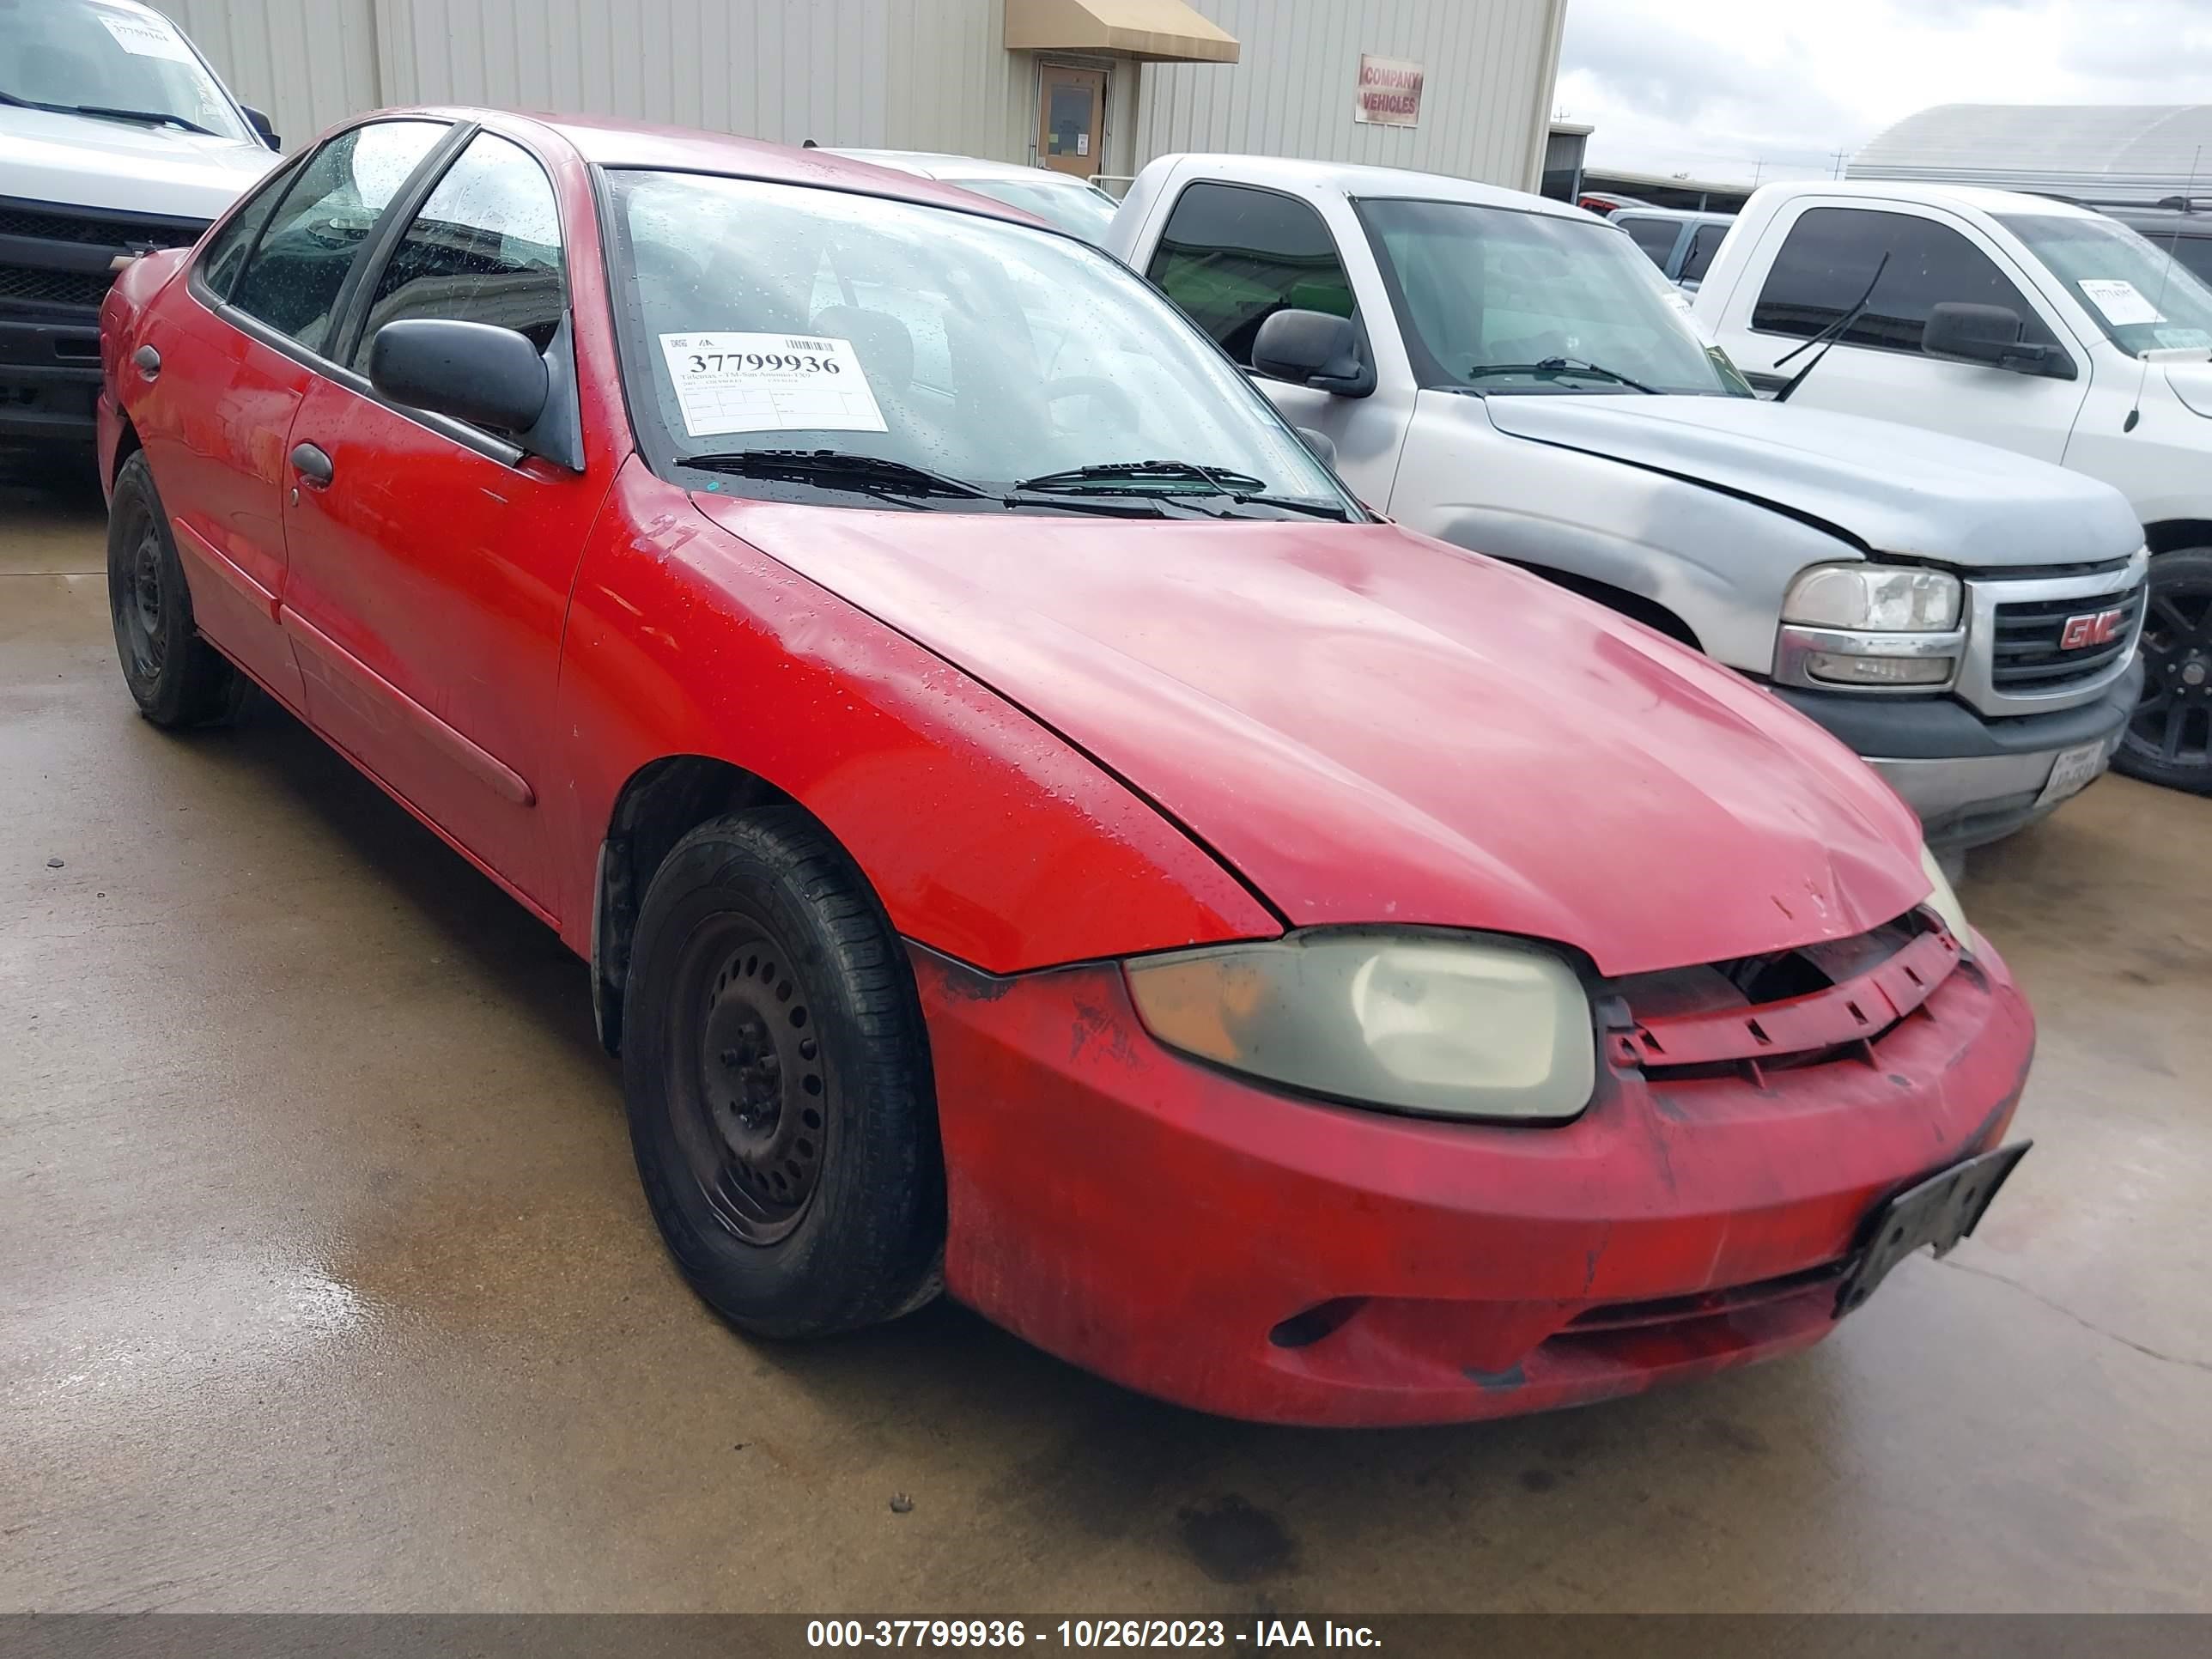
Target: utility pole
1838	156
1757	167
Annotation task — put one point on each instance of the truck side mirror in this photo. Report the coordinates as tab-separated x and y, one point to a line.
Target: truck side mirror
1990	335
1312	347
260	122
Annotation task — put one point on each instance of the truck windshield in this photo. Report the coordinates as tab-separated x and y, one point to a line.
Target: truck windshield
773	318
115	62
1500	299
2144	300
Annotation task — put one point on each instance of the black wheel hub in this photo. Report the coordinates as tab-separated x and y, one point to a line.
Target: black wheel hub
2173	724
756	1136
139	608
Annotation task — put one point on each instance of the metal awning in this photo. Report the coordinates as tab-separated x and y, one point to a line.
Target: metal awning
1158	31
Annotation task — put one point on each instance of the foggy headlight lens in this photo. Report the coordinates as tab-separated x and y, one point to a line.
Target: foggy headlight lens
1874	599
1943	901
1437	1024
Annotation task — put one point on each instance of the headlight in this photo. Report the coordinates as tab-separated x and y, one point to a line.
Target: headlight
1438	1023
1877	598
1943	901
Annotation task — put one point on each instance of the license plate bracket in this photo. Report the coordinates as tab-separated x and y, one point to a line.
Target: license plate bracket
1939	1212
2074	770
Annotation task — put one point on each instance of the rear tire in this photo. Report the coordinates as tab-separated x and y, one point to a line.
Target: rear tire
2168	739
776	1072
176	677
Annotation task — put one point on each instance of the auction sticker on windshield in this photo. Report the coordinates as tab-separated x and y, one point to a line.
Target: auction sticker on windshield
768	383
144	36
2120	300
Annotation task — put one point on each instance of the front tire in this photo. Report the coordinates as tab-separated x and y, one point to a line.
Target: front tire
776	1072
176	677
2169	736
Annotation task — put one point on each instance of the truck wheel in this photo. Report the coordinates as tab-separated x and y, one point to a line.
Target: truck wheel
176	677
776	1071
2169	736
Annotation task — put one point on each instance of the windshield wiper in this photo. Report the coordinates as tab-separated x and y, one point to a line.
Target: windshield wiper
1554	368
1112	475
833	467
108	111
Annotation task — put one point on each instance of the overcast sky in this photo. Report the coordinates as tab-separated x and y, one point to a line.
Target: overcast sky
1715	88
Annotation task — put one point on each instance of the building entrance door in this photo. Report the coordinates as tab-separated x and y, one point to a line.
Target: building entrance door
1071	119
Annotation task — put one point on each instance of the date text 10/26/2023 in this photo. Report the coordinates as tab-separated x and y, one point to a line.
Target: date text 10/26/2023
1086	1633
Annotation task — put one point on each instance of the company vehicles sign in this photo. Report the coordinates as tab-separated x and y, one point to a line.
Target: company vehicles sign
1389	91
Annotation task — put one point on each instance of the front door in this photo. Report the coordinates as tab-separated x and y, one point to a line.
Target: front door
430	567
1072	119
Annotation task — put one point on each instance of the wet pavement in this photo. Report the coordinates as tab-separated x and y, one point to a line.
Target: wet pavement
326	1281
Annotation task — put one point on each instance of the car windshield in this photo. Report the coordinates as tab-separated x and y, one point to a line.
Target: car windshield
119	62
779	317
1488	297
2144	300
1082	210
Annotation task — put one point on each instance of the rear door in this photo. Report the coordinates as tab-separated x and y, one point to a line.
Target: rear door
235	350
431	561
1819	259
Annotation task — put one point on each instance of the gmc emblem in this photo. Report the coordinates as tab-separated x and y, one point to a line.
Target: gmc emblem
2099	628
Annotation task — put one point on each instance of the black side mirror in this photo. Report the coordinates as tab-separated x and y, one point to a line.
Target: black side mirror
489	377
260	122
1990	335
1312	347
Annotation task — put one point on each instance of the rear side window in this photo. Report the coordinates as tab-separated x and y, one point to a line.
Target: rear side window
2195	253
293	277
1655	236
1831	255
1704	243
226	254
1233	256
485	248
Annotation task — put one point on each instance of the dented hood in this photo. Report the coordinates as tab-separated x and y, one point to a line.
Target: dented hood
1371	726
1894	488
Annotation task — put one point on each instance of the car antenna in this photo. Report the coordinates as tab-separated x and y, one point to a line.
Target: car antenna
2173	244
1827	336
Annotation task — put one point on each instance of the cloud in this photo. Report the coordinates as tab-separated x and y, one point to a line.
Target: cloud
1730	88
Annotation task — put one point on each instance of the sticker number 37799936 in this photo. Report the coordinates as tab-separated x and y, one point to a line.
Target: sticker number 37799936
768	383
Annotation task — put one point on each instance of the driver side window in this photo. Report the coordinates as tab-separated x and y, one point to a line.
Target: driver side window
294	277
1232	257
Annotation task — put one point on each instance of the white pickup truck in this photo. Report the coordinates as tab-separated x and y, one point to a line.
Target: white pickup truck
2022	321
116	138
1503	372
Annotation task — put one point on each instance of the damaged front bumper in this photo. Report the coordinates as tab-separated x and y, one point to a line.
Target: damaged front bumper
1240	1251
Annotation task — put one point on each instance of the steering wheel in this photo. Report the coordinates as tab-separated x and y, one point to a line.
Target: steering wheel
1122	408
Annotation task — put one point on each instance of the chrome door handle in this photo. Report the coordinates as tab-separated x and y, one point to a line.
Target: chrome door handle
149	361
312	466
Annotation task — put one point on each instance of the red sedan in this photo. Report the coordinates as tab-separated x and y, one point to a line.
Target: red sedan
1031	831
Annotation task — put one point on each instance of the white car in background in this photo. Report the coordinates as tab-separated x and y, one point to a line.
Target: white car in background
1076	205
116	138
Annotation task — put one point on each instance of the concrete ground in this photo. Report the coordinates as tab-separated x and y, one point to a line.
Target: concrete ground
326	1282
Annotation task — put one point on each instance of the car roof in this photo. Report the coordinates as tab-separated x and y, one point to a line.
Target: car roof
1680	215
607	142
1977	198
1380	184
940	164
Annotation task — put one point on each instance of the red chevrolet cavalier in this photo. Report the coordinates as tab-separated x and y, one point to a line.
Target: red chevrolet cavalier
1031	831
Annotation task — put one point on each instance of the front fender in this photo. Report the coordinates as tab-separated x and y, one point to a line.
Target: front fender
988	837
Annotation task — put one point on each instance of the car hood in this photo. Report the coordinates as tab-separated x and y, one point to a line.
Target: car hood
82	160
1896	490
2190	377
1369	725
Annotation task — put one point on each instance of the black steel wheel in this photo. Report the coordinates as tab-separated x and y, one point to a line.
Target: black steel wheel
777	1078
176	677
2169	736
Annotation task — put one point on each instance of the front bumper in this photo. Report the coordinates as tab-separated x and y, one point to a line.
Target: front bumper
49	378
1971	780
1227	1248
